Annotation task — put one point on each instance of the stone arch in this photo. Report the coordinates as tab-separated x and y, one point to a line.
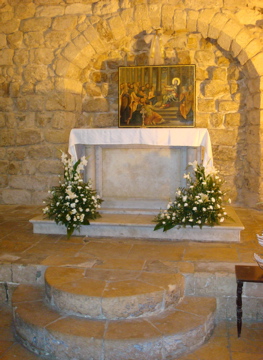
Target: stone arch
219	26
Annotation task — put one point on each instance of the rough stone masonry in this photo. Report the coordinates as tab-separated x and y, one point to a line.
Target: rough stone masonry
59	64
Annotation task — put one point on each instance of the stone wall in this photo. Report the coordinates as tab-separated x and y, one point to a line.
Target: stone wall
59	70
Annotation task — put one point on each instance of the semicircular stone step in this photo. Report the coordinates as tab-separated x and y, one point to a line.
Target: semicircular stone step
111	294
165	336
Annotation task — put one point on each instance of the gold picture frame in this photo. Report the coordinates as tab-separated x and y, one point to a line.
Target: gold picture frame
157	96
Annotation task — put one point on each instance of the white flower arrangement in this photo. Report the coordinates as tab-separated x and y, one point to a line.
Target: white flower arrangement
73	203
200	203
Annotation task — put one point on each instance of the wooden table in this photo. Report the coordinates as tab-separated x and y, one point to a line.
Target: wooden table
245	273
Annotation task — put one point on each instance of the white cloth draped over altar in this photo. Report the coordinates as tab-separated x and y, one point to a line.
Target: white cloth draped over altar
191	137
139	168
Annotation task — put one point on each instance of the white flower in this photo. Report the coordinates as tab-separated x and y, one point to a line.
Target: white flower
83	161
184	198
68	218
193	164
222	219
187	176
194	208
204	209
191	220
185	204
210	170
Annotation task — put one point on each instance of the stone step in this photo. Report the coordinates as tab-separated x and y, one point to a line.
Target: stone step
168	335
105	294
132	225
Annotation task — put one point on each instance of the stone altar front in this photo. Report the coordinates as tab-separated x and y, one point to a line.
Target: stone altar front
139	168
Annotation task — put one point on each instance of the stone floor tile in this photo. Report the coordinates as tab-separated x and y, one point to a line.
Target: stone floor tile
125	264
4	346
165	251
17	352
211	253
106	250
71	261
111	275
216	348
15	247
245	345
245	356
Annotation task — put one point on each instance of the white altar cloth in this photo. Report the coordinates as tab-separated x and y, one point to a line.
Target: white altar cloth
193	137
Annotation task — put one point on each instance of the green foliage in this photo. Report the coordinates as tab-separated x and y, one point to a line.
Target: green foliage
73	203
200	203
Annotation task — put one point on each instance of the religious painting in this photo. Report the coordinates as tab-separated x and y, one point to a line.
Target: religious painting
157	96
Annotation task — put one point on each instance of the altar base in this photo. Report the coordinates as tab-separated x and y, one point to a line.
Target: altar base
125	224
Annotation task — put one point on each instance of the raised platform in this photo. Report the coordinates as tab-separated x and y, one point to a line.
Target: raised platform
127	224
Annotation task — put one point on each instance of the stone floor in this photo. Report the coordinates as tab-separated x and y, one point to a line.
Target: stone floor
19	246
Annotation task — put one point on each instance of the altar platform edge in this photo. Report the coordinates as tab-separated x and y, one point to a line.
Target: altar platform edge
119	223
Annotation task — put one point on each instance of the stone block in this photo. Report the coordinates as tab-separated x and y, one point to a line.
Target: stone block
15	40
249	52
5	269
49	11
57	136
216	120
77	9
7	137
219	21
74	86
96	105
207	105
13	196
33	39
205	284
61	102
117	27
6	57
103	8
38	24
25	11
55	38
198	4
228	34
204	20
179	20
28	274
65	23
224	137
191	20
205	58
142	19
228	106
27	137
215	88
10	26
34	73
241	41
234	120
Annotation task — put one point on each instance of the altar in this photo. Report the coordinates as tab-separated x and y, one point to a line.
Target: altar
136	172
139	168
